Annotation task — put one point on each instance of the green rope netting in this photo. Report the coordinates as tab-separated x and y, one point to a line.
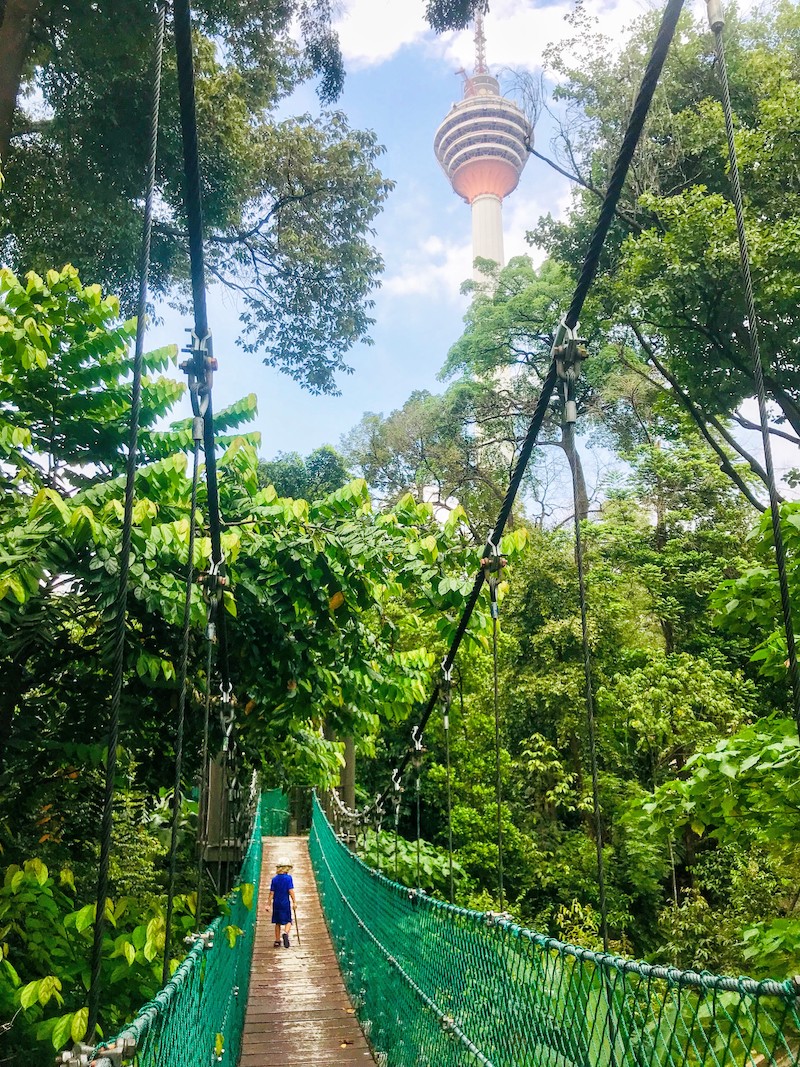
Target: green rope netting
274	813
197	1018
442	986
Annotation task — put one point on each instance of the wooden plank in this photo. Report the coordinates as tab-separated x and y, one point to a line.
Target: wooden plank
298	1013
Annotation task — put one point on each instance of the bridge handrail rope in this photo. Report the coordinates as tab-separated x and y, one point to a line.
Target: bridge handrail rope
476	982
198	1016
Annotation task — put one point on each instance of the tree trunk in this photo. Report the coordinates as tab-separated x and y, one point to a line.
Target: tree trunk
574	459
15	30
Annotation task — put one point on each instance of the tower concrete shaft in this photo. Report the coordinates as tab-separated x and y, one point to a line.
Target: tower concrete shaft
483	146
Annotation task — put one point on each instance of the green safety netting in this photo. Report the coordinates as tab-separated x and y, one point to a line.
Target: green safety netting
274	813
197	1018
446	987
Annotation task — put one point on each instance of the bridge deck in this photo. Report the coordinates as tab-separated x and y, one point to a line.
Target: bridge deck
298	1014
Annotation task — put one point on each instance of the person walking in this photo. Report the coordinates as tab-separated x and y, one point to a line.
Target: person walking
281	897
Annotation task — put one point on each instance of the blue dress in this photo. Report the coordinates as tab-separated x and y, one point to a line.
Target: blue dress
281	904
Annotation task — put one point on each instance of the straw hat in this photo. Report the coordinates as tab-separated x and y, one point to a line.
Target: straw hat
283	866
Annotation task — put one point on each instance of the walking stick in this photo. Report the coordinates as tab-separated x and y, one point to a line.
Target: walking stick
296	927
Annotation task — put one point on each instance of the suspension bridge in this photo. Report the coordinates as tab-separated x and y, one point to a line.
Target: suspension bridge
395	977
383	972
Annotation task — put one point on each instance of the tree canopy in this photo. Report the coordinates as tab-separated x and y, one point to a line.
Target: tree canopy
288	202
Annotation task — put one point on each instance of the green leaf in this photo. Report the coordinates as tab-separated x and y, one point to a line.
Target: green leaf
80	1021
29	994
85	918
62	1031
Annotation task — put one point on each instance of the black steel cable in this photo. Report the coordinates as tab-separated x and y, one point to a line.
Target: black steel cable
183	677
498	775
202	807
758	370
448	693
636	122
121	604
569	432
516	479
194	217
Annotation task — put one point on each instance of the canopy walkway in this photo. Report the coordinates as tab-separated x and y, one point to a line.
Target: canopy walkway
433	984
298	1011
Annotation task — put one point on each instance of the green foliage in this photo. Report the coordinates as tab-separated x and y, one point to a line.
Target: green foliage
46	937
670	286
322	472
432	875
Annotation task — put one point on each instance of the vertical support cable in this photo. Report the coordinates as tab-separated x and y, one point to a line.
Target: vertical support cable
447	698
183	675
717	22
493	564
498	774
194	214
120	608
202	807
569	435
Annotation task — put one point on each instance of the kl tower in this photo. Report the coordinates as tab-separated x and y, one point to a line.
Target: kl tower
482	147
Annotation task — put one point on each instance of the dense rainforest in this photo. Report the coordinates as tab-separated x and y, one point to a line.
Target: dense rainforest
346	583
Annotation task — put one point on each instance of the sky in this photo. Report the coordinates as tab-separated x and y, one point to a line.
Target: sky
401	81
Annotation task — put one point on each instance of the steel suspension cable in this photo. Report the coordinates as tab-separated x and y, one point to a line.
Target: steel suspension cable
202	807
498	775
633	132
121	604
447	698
183	677
717	23
202	346
569	430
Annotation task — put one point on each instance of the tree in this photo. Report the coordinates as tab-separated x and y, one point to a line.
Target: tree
288	203
507	346
670	273
318	475
434	448
318	636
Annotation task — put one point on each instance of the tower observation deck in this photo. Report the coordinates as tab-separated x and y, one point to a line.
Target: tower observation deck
482	147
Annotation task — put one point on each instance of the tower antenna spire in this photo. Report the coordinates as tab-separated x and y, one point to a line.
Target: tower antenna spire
480	45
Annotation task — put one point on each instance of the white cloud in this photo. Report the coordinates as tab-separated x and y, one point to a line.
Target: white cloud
372	31
432	268
517	31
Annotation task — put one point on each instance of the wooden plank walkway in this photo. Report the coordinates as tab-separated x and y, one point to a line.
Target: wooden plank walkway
298	1014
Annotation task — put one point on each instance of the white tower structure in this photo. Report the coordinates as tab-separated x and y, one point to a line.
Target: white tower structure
482	147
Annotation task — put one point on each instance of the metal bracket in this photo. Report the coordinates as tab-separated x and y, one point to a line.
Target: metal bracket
570	353
214	582
495	918
493	564
568	356
200	372
205	936
124	1048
